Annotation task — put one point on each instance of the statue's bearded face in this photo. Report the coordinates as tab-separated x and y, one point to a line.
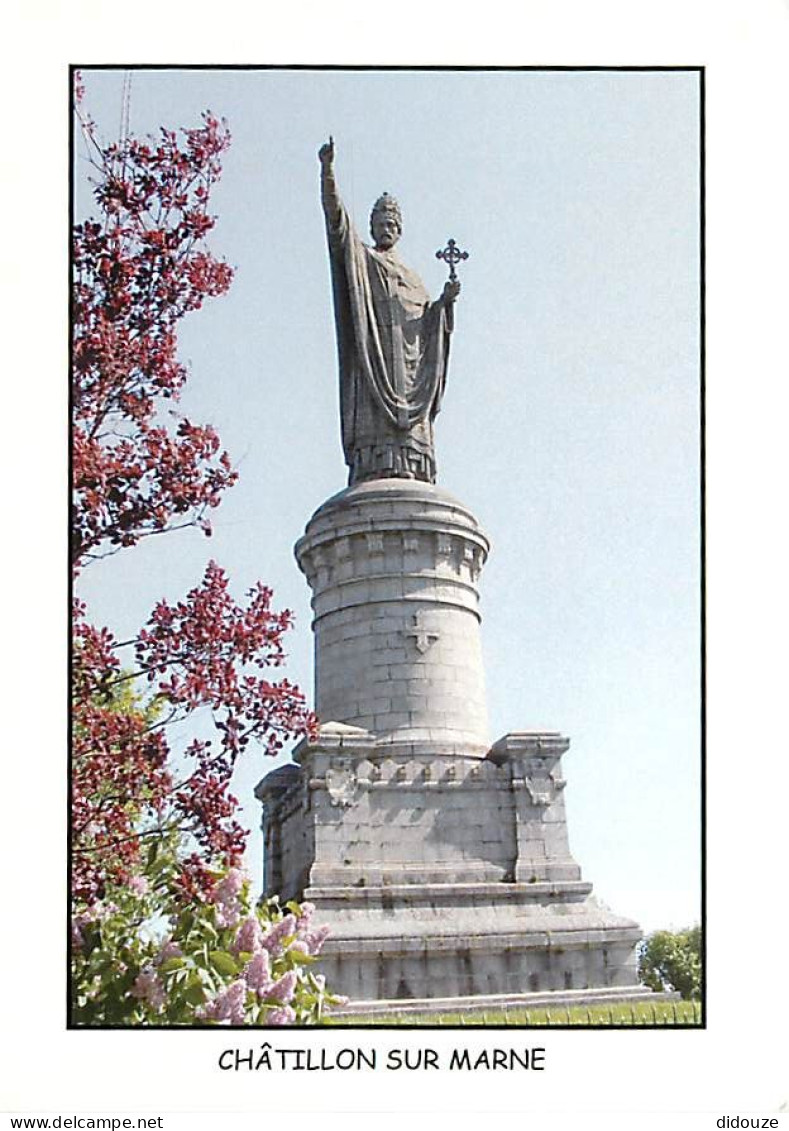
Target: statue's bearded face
386	228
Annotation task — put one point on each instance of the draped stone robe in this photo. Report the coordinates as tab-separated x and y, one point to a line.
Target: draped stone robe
393	350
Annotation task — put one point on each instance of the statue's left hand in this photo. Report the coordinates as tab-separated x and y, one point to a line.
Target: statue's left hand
451	290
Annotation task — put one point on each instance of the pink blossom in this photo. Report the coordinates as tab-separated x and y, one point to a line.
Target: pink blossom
229	886
139	885
149	989
285	1015
228	910
230	1004
170	949
315	939
284	988
272	940
304	920
300	946
258	972
77	941
249	936
227	914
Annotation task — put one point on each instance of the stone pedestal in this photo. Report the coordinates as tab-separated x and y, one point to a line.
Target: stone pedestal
440	862
393	565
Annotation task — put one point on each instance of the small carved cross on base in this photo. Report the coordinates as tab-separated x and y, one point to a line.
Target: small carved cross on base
423	637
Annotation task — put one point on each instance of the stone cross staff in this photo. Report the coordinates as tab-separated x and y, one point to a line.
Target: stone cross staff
452	255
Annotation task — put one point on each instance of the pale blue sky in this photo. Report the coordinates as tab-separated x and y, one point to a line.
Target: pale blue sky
570	423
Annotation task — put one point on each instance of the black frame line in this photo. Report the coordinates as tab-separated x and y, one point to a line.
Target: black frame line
337	1025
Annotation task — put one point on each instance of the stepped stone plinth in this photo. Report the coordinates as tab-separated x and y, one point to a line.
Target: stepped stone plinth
440	862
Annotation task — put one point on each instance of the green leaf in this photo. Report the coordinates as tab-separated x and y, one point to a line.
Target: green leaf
194	993
224	963
299	958
205	931
171	964
185	925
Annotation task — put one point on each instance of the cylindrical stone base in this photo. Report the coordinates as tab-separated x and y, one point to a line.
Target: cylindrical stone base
393	565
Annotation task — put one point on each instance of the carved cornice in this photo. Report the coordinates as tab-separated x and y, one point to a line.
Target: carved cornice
328	560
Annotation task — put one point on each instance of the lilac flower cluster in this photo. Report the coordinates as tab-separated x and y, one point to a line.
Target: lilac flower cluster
228	1005
139	885
168	949
148	988
313	940
254	964
261	947
225	898
78	922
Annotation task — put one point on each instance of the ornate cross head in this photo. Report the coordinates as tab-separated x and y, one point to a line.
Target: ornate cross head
452	255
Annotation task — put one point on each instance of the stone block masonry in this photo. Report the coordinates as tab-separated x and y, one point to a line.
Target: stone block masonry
440	861
393	566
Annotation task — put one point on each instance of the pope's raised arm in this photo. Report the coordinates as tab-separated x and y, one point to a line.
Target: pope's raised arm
329	196
451	291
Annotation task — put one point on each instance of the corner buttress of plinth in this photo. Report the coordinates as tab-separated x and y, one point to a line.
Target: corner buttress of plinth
533	761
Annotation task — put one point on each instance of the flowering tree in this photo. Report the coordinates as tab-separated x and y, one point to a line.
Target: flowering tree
154	836
137	270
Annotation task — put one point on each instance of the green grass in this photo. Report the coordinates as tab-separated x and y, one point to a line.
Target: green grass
627	1013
